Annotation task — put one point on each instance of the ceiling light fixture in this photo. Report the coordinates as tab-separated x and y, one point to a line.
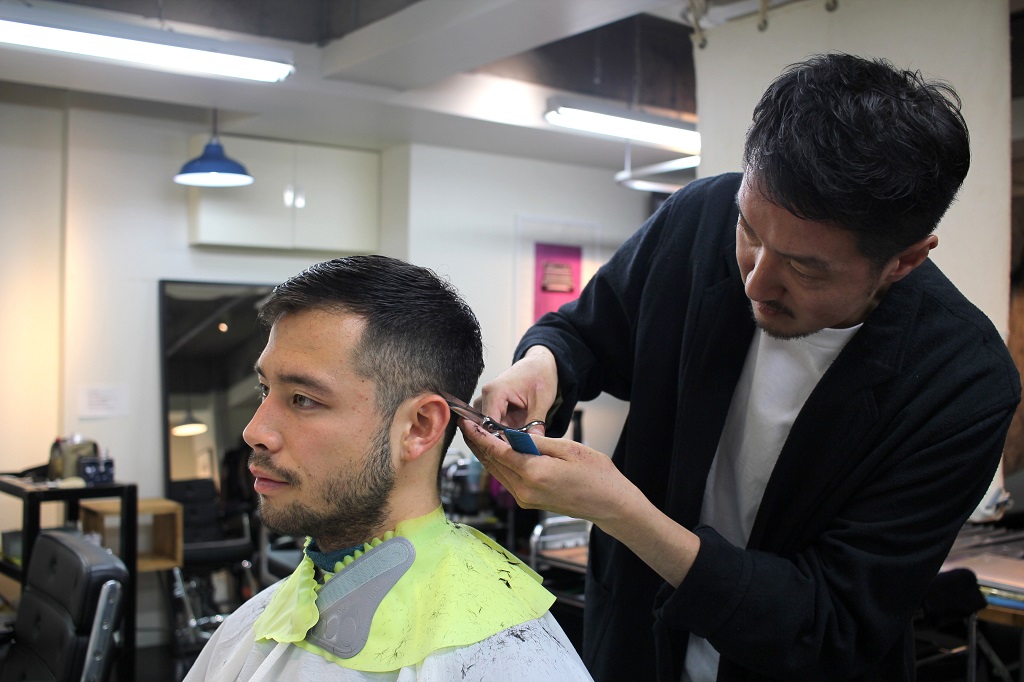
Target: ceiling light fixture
665	177
81	35
604	119
189	426
212	168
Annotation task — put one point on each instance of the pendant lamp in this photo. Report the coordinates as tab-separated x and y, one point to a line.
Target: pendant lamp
189	426
212	168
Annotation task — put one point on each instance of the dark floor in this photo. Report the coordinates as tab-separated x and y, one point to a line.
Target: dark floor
157	664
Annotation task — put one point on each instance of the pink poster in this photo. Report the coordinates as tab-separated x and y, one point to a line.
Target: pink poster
556	276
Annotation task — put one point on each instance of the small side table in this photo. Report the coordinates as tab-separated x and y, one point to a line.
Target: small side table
167	543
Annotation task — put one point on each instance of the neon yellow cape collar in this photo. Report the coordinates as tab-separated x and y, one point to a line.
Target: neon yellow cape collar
461	588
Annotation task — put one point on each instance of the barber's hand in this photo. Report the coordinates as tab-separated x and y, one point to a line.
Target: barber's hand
524	392
570	478
567	478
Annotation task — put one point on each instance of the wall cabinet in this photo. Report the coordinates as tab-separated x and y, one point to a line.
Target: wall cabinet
303	197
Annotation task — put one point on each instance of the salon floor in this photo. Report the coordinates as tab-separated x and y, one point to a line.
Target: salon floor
157	664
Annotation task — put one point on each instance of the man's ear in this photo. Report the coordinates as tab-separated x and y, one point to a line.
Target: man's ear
909	258
421	423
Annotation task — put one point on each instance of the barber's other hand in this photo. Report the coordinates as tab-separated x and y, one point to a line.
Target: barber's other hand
524	392
567	478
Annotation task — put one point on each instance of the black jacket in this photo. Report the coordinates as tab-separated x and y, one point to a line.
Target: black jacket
889	456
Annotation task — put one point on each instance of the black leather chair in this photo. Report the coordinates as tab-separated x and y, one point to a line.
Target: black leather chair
69	612
214	540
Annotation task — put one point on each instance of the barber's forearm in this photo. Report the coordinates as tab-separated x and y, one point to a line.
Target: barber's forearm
661	543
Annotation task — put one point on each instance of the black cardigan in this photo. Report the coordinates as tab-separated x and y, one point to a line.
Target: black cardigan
889	456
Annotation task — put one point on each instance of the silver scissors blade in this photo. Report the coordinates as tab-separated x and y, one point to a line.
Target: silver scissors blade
474	415
463	410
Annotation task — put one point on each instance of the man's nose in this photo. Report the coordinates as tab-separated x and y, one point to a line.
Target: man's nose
260	433
763	282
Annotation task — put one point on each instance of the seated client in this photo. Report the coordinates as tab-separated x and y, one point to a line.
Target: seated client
346	448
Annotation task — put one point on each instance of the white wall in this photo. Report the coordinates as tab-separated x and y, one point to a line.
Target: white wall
31	163
463	209
965	43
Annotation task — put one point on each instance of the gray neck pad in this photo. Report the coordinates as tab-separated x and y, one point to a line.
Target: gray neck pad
348	601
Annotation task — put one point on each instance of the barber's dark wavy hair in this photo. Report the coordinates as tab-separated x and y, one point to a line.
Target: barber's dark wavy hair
420	336
874	149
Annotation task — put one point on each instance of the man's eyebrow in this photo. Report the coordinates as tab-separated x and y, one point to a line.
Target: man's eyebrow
812	262
303	380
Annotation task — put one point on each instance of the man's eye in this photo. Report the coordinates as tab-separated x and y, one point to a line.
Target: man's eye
803	274
303	401
263	391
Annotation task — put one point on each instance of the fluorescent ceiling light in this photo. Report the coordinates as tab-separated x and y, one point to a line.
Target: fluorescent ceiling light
666	177
626	124
140	46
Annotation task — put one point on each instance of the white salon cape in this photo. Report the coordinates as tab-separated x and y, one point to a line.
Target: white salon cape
536	650
446	619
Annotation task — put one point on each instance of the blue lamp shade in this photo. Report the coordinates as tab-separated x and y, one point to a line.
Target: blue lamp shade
213	169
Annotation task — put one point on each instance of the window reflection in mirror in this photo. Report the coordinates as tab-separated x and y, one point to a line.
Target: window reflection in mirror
210	339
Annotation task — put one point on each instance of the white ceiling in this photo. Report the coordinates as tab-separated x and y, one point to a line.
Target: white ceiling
405	78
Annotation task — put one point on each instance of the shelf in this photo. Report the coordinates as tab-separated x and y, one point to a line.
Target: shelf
10	569
167	533
149	563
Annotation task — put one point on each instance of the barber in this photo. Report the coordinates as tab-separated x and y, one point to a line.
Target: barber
814	411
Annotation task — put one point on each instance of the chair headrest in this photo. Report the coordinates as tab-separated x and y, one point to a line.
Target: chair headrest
72	570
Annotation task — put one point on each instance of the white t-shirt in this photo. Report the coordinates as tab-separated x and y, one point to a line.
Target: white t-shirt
778	376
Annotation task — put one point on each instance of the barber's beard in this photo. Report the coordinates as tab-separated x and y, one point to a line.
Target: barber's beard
353	507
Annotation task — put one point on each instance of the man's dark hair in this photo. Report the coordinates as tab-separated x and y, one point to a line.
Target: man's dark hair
874	149
420	336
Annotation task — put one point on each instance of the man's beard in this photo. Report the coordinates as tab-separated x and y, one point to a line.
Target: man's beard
776	334
356	506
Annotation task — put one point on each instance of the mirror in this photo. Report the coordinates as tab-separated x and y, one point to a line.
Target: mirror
209	341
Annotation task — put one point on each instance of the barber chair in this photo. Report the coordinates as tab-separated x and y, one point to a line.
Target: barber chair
279	555
946	629
556	532
70	609
214	541
559	551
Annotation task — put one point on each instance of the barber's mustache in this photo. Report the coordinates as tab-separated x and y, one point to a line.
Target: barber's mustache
777	307
262	460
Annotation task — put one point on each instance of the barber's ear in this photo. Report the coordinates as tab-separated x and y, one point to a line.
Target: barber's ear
909	258
421	423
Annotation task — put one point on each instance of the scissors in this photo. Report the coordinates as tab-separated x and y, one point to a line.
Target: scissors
518	438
